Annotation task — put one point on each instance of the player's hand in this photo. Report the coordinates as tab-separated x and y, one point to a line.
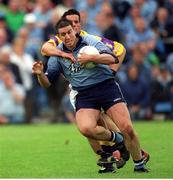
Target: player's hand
84	58
37	67
69	56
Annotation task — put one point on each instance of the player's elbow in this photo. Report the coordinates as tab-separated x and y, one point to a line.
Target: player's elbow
122	55
43	49
124	51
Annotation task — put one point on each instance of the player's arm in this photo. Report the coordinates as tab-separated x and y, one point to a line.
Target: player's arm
121	58
37	69
49	49
118	50
99	59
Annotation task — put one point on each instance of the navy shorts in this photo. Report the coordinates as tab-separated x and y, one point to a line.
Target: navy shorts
102	95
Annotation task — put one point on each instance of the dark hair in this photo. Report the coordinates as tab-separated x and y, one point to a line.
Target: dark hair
62	23
71	12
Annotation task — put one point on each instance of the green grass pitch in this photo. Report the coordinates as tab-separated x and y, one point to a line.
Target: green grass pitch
59	151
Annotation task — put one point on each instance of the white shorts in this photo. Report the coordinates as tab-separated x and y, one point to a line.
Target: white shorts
72	96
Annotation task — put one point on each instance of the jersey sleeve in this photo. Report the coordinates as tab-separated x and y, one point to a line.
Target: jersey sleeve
55	41
53	69
116	47
92	41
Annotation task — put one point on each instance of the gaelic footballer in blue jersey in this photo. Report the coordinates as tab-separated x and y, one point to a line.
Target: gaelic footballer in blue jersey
88	108
49	49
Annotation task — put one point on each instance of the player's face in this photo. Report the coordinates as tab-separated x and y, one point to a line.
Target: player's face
68	36
75	21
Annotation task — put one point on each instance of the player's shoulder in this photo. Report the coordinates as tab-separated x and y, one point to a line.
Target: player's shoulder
89	38
84	33
60	46
55	40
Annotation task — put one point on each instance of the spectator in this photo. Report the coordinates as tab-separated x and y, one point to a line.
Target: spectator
23	33
27	6
148	8
24	62
3	7
3	25
161	92
144	67
14	16
159	26
141	33
35	36
127	23
34	105
121	9
42	12
160	21
84	19
99	25
168	4
12	97
6	61
49	29
64	6
93	8
149	56
3	38
169	63
111	31
137	94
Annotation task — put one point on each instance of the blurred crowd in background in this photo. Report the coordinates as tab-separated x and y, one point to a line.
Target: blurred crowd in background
144	27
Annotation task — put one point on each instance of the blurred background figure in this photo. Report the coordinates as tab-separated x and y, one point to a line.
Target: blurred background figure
49	29
141	33
137	94
14	16
161	92
12	97
35	36
3	25
93	8
42	13
5	59
3	38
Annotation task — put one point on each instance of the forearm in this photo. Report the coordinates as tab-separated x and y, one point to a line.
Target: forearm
121	57
49	50
103	59
43	80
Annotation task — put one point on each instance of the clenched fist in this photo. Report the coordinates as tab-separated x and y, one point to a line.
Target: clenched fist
37	68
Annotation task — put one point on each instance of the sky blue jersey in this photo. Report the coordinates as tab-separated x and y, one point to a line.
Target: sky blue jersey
79	77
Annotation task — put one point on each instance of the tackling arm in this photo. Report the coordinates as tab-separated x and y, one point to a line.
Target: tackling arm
99	59
49	49
115	67
118	50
